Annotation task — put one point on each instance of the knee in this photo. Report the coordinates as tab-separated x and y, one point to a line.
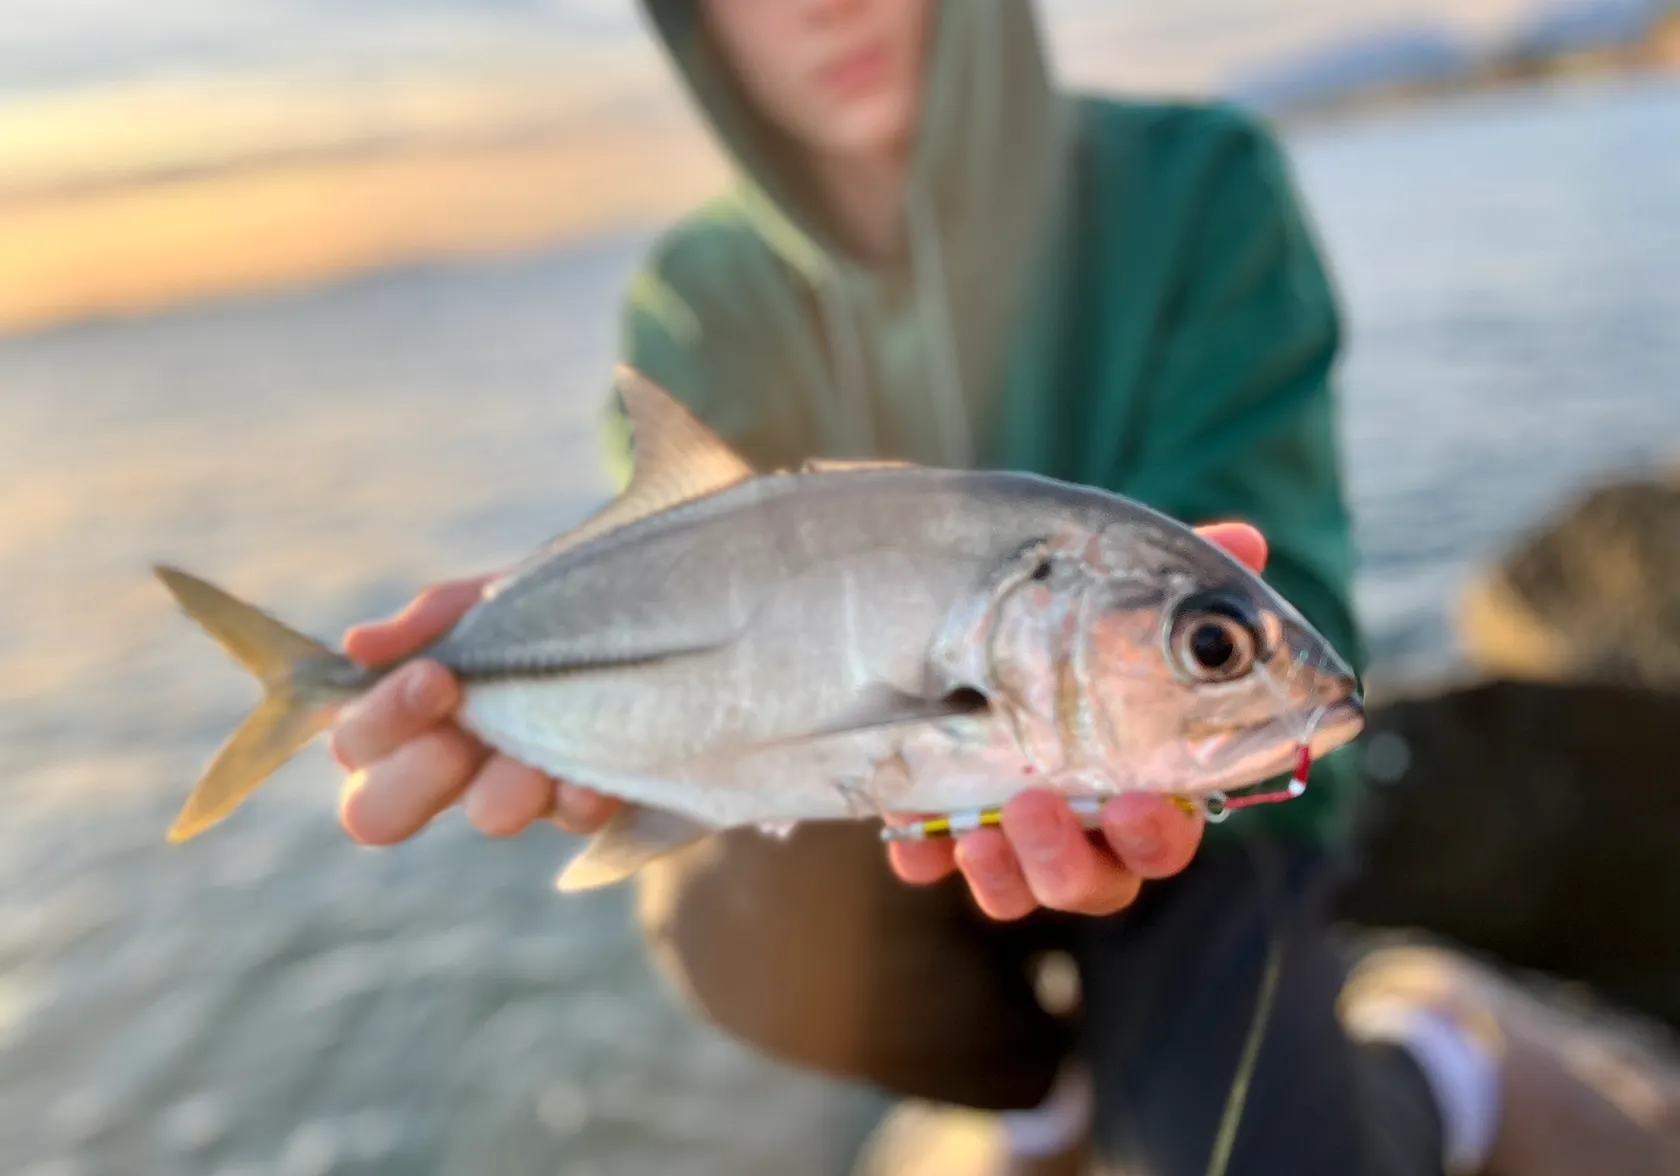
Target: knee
766	939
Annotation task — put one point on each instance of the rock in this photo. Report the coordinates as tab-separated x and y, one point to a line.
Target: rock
1536	815
1538	822
1594	594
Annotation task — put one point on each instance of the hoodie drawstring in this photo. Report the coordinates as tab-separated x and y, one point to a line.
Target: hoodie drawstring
933	317
846	342
933	309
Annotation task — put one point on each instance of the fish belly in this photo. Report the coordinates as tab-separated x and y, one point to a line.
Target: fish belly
688	753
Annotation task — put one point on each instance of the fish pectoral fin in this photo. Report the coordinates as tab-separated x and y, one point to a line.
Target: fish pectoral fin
881	706
885	705
632	839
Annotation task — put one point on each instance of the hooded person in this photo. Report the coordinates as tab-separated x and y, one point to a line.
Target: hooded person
1122	294
1118	293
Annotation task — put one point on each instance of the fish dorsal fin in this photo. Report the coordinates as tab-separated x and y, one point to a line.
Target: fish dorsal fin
677	458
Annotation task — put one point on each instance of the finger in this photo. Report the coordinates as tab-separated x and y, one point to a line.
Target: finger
413	699
581	811
425	618
1064	871
1246	545
506	796
921	863
396	797
993	874
1150	834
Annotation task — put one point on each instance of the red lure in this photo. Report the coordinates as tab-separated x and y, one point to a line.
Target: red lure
1297	784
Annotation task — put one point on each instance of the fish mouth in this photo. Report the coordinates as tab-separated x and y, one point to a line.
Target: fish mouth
1256	754
1339	725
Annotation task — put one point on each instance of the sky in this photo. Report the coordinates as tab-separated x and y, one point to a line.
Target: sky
144	141
56	43
51	44
89	88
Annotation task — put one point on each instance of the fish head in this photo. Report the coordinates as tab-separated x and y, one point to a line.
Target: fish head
1171	666
1230	684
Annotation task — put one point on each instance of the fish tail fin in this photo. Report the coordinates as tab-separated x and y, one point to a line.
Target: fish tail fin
304	686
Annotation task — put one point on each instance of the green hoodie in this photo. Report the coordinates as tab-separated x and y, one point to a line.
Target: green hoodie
1115	293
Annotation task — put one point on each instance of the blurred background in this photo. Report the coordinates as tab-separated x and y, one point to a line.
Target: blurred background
319	300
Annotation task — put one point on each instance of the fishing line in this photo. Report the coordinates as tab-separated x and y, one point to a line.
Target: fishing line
1236	1099
1215	807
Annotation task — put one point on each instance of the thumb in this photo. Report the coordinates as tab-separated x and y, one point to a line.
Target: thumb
425	618
1245	543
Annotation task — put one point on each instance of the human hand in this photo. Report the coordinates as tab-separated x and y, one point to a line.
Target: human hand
1040	856
408	760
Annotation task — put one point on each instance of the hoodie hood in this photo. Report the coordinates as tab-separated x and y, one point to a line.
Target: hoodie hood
915	351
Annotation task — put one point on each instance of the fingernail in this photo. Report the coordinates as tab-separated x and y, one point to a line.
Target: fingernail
1141	840
994	880
564	807
351	711
421	689
1038	833
978	858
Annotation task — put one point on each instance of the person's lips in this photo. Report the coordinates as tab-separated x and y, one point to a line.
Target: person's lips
855	72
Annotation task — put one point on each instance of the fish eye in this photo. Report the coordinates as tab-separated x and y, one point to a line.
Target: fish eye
1213	639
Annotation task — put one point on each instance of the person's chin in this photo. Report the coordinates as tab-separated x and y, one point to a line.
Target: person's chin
870	128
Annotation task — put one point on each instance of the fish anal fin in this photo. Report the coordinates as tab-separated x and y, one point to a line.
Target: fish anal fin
634	837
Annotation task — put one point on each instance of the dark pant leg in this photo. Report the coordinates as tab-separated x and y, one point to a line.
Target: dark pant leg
813	952
1171	991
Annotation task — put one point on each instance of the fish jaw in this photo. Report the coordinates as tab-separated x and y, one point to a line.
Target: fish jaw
1244	756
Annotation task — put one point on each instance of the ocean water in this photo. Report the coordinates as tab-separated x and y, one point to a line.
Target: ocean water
273	1000
1509	270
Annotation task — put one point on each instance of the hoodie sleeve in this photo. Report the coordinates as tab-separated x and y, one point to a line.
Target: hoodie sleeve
1240	418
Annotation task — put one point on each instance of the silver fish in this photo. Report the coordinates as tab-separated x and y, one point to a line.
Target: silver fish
721	647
